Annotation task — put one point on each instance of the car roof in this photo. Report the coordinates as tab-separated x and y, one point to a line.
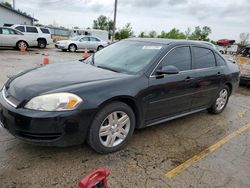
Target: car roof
169	41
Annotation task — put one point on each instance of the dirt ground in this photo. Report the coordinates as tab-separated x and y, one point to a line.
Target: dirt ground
150	154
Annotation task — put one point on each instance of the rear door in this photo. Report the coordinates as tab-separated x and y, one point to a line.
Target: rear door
32	31
207	77
94	42
171	94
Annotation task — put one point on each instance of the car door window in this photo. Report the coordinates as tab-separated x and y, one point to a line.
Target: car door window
31	30
84	39
93	39
20	28
203	58
6	31
179	57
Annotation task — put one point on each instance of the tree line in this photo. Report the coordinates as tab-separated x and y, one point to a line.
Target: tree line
104	23
198	33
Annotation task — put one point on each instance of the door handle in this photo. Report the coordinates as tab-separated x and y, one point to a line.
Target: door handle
189	78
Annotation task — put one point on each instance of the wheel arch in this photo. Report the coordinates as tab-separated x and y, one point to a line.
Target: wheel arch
42	38
130	101
23	41
230	86
72	44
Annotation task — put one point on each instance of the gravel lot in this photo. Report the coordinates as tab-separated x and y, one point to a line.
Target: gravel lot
151	153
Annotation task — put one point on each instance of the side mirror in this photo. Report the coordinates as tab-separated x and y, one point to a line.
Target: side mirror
169	69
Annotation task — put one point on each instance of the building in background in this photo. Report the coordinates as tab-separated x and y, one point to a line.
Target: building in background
10	16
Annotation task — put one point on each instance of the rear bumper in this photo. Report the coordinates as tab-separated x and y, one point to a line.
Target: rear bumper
45	128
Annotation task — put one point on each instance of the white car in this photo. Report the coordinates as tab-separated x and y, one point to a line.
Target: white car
81	42
42	34
12	38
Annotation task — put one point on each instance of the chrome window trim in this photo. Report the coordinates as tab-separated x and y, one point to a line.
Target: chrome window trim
7	100
190	46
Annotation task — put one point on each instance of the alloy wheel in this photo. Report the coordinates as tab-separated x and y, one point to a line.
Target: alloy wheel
222	99
114	129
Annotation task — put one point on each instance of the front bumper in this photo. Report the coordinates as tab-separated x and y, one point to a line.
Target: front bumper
60	46
245	80
45	128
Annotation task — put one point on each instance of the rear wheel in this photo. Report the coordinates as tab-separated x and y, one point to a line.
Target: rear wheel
112	128
100	48
22	45
72	48
221	101
42	43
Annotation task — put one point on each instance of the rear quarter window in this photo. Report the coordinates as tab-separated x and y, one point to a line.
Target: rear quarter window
31	30
44	30
220	61
203	58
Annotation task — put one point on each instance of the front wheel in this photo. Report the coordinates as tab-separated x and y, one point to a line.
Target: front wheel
112	128
72	48
221	101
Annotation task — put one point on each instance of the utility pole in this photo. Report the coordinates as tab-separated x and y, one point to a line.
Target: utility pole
14	4
114	26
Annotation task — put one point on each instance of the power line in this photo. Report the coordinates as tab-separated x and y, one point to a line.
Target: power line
114	27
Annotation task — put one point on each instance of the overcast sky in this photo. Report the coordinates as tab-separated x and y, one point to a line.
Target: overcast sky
227	18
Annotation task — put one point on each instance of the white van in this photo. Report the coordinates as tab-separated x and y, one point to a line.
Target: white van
42	34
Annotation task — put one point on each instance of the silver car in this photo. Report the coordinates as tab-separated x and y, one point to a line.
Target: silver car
81	42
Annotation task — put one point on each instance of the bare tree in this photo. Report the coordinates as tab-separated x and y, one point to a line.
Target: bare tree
244	39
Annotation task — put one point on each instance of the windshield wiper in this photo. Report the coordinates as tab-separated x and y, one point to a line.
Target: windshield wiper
108	68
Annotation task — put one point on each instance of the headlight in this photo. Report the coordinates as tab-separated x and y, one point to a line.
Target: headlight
54	102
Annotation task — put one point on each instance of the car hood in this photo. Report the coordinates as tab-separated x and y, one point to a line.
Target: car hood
51	77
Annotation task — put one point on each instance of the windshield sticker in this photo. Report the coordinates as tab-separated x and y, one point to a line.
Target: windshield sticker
151	47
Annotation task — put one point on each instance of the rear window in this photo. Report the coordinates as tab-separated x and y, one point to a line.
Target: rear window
44	30
93	39
203	58
20	28
31	30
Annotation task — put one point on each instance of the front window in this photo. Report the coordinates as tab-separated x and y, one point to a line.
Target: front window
126	56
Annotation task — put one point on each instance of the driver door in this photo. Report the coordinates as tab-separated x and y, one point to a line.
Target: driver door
171	94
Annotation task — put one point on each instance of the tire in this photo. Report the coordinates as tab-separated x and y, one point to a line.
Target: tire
100	48
72	48
42	43
221	101
111	138
21	44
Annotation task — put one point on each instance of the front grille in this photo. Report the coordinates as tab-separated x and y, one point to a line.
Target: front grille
38	136
9	99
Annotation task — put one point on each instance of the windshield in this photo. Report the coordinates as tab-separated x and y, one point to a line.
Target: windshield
125	56
75	38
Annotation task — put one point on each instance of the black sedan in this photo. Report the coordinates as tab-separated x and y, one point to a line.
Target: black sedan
131	84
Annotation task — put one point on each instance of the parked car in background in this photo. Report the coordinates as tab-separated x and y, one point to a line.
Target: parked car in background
134	83
81	42
245	73
13	38
42	34
232	49
221	49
